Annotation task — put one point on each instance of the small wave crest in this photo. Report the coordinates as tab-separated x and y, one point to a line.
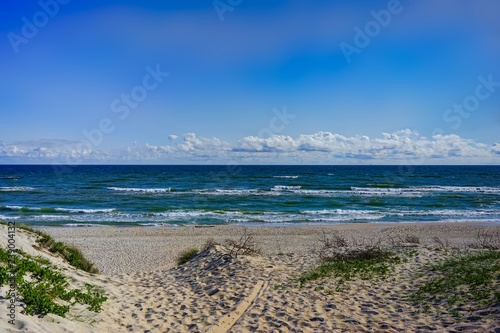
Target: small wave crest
285	188
56	209
141	190
17	189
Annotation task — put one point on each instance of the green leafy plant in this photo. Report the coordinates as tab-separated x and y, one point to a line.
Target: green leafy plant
45	287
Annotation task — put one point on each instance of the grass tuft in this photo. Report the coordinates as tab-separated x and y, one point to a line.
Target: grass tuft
186	255
365	263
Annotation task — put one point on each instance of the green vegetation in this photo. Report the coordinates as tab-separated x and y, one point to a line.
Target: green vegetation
45	290
366	264
186	255
73	255
473	278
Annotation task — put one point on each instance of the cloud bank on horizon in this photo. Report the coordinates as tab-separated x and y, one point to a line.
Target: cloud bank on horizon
401	147
123	81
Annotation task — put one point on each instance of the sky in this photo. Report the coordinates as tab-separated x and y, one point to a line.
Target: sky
250	82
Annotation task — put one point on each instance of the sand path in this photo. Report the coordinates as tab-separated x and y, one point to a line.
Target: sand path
226	322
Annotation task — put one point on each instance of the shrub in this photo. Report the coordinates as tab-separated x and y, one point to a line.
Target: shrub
245	245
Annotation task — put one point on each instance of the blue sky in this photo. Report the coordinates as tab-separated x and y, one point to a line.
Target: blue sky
250	82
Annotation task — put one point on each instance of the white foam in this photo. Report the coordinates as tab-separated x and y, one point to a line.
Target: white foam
141	190
5	217
334	215
65	210
225	192
13	207
83	225
285	188
462	189
422	190
158	225
445	212
86	211
287	177
17	189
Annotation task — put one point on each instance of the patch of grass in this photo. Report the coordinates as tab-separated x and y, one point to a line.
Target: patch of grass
73	255
365	263
46	288
186	255
458	281
75	258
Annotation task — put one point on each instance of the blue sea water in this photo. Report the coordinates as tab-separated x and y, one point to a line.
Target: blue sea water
248	195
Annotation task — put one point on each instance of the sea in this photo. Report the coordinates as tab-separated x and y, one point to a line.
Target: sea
176	195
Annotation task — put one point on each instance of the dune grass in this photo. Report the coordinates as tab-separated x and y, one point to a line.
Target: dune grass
186	255
365	263
463	280
73	255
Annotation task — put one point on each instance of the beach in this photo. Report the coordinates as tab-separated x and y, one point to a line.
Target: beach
219	292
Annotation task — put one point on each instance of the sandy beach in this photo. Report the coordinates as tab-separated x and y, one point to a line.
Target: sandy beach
217	292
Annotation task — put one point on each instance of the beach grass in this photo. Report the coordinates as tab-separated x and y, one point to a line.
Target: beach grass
72	254
364	263
471	279
186	255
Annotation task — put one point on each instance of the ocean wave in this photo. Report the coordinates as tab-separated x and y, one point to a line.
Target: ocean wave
341	211
342	215
403	213
462	189
420	190
448	212
378	191
287	177
223	191
158	225
141	190
17	189
197	216
83	225
285	188
5	217
56	209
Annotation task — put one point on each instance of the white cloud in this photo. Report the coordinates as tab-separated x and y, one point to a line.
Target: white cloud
403	146
495	148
